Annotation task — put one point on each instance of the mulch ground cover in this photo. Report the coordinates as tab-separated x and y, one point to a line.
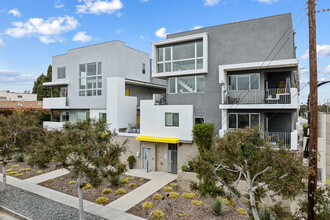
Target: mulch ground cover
23	171
61	184
180	208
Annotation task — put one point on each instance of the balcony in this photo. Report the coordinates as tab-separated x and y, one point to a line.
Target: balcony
159	99
266	99
52	125
56	103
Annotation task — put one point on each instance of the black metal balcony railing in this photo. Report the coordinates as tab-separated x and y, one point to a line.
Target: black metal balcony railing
266	96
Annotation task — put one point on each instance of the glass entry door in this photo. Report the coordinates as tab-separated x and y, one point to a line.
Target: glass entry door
172	158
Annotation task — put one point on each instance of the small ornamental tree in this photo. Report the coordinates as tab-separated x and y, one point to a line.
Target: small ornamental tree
203	136
246	155
17	130
87	149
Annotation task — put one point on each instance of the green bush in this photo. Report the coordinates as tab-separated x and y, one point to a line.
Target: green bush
265	213
218	205
184	168
191	164
19	157
115	180
203	136
131	159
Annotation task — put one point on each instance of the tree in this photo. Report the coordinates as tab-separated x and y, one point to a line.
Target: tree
87	149
245	154
44	91
17	130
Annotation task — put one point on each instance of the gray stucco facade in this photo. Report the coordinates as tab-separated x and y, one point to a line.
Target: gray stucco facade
256	40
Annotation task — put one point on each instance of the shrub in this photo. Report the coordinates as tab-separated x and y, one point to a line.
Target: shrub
130	178
184	168
147	205
23	170
28	169
12	173
229	202
120	191
115	180
203	136
157	196
132	185
188	195
19	174
87	186
19	157
39	172
102	200
158	214
106	191
124	181
173	184
265	213
50	181
241	210
167	188
141	179
9	170
131	159
182	214
15	166
173	195
197	202
191	164
72	182
218	205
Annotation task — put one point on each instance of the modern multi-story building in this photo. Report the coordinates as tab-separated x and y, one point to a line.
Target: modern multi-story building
102	81
233	75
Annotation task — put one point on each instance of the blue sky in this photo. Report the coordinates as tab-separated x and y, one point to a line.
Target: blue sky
32	31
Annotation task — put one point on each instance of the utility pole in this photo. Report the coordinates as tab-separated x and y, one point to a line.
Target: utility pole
313	130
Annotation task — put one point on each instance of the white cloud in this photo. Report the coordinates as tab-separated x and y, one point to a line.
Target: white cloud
161	33
119	31
268	1
2	44
99	6
82	37
9	76
322	51
210	2
302	69
119	14
327	69
59	4
43	29
143	1
197	27
15	12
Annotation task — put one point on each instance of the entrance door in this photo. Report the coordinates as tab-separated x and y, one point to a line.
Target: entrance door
172	158
146	153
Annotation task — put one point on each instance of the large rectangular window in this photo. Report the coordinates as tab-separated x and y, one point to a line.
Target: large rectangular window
65	116
186	84
82	116
171	119
61	73
180	57
242	120
244	82
90	79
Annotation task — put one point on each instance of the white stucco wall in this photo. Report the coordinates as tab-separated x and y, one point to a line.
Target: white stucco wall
153	120
121	109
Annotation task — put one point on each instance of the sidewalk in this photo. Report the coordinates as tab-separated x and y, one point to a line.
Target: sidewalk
157	181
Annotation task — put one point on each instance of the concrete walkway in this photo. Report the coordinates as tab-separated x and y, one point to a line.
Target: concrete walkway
47	176
157	181
95	209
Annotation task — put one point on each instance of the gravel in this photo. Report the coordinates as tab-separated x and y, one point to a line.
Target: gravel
37	207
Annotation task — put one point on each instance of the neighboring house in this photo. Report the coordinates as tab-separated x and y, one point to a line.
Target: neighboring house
106	81
14	96
14	100
233	75
323	146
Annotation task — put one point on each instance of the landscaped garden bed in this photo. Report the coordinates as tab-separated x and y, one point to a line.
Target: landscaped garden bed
66	184
178	204
22	171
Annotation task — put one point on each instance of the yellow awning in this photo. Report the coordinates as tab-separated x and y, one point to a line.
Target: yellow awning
158	139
